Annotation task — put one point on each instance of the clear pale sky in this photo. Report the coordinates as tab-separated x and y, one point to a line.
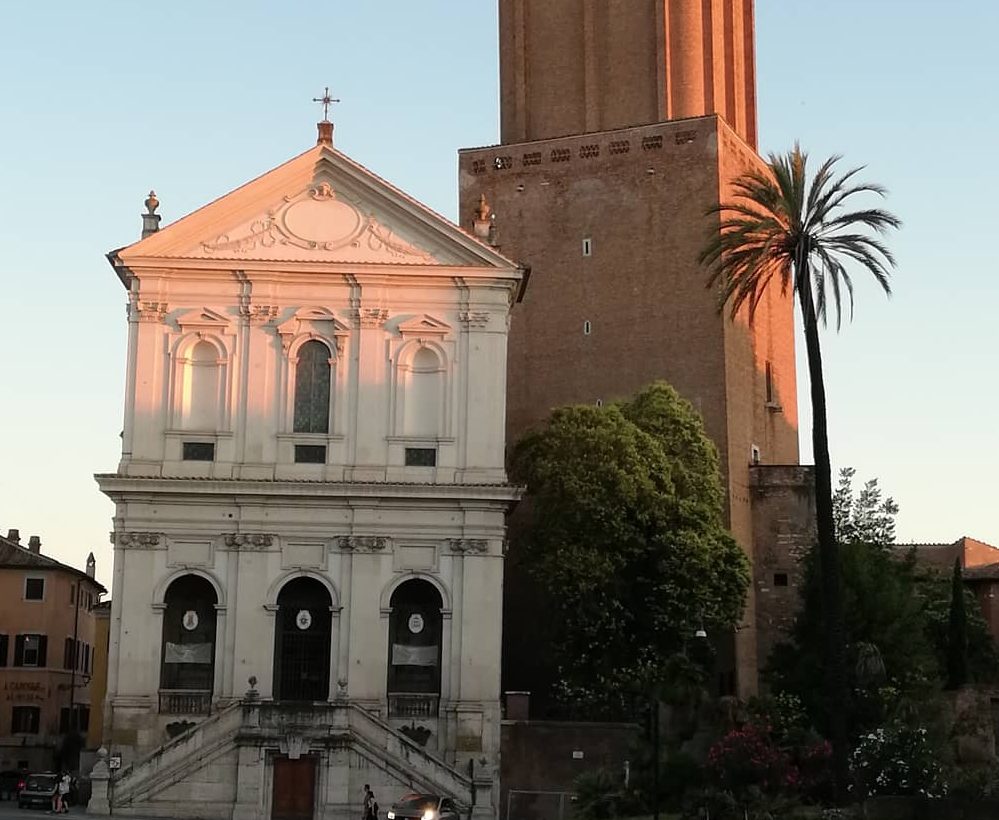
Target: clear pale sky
103	101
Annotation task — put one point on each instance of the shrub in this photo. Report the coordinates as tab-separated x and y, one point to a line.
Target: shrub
748	757
899	760
596	795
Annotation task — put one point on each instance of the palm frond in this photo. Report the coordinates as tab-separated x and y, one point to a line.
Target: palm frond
782	226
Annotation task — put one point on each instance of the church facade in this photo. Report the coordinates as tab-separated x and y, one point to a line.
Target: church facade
309	507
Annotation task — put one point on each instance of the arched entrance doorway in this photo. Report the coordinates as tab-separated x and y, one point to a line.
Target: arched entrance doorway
302	641
414	668
187	667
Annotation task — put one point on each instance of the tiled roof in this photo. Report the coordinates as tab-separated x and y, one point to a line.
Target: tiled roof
13	555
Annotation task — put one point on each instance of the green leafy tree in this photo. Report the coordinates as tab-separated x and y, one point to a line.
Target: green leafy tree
868	518
622	527
957	634
888	647
897	622
799	234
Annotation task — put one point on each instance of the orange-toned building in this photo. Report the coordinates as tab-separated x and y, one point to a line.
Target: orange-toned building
622	123
47	656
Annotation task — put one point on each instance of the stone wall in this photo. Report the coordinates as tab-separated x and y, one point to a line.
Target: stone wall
783	531
547	756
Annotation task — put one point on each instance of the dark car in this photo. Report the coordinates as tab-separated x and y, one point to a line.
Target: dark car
416	806
38	790
11	782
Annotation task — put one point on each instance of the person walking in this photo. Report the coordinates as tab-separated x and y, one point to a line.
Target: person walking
59	797
369	798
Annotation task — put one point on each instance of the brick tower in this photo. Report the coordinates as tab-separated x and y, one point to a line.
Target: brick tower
623	121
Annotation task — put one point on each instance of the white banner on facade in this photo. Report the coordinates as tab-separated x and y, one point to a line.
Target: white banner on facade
187	653
403	655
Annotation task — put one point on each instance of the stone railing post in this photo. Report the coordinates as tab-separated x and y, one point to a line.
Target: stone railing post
100	776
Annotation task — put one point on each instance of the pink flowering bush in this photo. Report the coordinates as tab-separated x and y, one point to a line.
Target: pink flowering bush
749	757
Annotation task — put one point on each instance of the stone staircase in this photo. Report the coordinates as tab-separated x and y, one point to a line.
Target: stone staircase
217	769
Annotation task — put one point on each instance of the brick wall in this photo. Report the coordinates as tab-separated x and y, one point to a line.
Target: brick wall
547	756
612	225
783	532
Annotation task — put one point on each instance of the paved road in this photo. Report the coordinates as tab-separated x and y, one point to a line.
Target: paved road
8	808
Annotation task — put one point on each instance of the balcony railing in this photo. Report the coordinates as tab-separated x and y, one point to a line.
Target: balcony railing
413	704
185	702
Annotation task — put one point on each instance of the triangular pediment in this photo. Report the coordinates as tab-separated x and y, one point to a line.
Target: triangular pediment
202	318
425	325
319	318
320	207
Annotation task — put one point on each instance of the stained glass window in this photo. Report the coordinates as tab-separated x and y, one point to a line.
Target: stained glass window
312	389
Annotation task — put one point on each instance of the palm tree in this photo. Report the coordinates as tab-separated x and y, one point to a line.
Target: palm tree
783	230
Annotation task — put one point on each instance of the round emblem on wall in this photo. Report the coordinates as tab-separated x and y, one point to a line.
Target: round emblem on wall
303	620
190	620
416	623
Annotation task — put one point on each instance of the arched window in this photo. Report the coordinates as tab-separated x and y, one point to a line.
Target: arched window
415	629
187	671
312	389
302	637
424	394
202	388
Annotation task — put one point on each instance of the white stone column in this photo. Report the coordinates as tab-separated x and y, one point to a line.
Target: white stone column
218	673
334	655
251	796
457	617
155	679
266	684
346	589
130	366
229	689
114	643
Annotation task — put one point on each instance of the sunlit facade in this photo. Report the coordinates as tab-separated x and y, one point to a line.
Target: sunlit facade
309	507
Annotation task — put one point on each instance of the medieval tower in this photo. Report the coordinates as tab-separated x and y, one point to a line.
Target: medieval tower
623	122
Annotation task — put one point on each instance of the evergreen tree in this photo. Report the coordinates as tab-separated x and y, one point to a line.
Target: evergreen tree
957	635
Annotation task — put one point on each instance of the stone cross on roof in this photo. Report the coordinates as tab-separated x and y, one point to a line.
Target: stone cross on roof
326	101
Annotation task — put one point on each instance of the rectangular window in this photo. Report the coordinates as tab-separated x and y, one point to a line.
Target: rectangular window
82	722
587	247
34	589
4	640
310	454
780	579
29	650
769	372
25	720
67	654
199	451
421	457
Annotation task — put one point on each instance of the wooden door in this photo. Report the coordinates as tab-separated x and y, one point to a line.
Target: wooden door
294	788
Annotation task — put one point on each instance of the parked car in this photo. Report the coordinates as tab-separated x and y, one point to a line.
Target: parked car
416	806
38	790
11	782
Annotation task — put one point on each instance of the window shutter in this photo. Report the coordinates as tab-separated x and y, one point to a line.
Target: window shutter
67	654
3	650
19	650
42	642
